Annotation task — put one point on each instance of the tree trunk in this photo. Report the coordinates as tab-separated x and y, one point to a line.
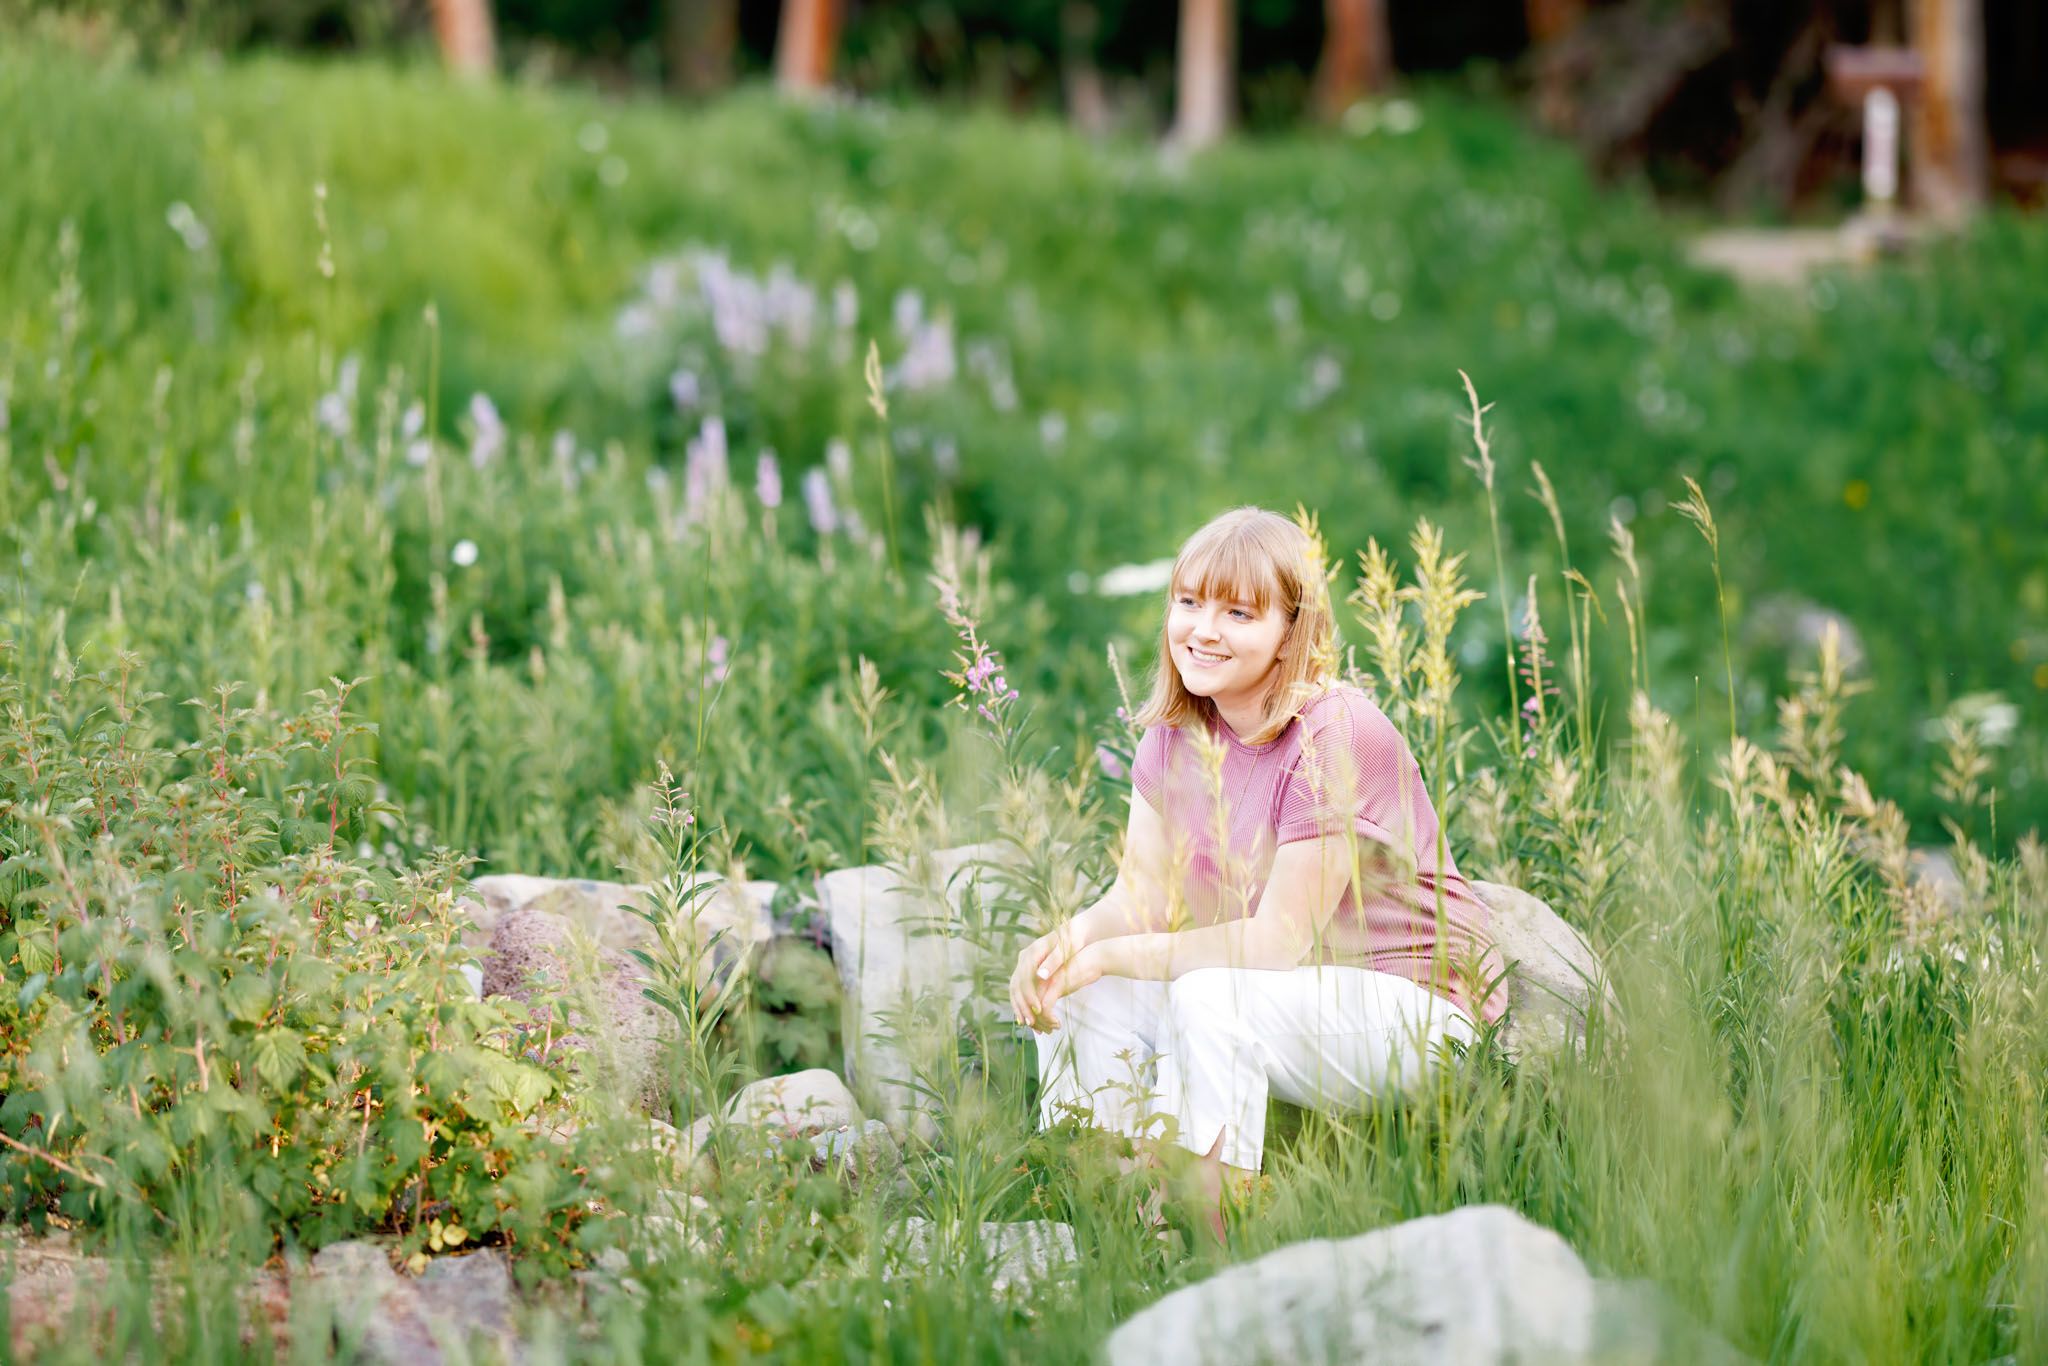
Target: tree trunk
1358	54
1950	159
805	45
464	30
1549	19
1208	69
1080	77
699	37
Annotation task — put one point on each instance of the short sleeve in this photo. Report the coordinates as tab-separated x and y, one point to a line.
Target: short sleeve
1350	775
1148	768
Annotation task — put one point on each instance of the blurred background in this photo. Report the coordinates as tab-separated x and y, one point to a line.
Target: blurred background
409	340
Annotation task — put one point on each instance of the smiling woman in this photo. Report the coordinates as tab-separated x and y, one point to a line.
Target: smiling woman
1282	921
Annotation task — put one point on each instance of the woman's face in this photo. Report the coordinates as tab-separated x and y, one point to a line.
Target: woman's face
1226	651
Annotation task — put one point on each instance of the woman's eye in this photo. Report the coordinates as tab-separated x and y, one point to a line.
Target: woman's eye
1240	612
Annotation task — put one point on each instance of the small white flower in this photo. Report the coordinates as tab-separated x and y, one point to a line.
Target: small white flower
186	224
636	321
1052	429
333	415
1129	580
464	553
839	458
414	422
845	305
419	453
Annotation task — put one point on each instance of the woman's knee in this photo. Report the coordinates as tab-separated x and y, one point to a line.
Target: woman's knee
1204	1002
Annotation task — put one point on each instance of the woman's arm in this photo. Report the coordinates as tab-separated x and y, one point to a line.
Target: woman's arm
1307	883
1137	902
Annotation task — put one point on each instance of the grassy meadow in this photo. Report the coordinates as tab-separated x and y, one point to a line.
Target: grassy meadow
400	478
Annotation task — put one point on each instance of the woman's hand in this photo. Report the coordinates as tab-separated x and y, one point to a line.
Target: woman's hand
1084	968
1037	962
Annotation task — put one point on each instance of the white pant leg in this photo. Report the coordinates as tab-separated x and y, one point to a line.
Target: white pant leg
1323	1037
1098	1065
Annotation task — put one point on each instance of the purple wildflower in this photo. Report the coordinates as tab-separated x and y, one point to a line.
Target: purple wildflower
818	501
768	480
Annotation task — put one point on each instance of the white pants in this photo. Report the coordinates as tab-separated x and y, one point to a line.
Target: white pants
1208	1047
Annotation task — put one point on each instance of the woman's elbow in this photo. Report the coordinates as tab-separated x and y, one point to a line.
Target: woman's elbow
1282	949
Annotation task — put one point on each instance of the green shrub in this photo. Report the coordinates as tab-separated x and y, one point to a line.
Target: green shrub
216	1021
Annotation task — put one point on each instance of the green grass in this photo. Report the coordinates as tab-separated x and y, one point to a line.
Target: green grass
1816	1123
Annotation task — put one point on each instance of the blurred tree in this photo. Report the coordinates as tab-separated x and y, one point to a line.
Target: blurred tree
1358	55
699	39
1550	19
464	30
1951	166
1206	83
1080	77
806	44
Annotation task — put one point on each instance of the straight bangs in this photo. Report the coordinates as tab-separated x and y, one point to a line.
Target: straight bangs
1222	562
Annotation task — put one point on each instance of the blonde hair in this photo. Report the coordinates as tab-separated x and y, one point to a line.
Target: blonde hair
1253	556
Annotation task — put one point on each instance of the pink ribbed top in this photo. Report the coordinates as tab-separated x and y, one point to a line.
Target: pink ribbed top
1338	767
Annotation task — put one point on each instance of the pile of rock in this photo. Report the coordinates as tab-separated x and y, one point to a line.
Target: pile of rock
899	953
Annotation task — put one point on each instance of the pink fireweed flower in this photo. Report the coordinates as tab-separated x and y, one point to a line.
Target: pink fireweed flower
768	480
818	501
1111	765
488	441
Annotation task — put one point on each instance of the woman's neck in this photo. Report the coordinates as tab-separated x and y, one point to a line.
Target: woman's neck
1243	716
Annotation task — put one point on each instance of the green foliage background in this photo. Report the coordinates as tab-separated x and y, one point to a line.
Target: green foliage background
1821	1130
1167	324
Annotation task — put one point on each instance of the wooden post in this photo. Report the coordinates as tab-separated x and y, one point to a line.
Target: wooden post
699	37
463	28
805	45
1358	55
1548	19
1207	71
1951	171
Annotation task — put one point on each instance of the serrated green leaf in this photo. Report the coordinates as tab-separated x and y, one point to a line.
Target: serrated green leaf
247	996
38	953
278	1054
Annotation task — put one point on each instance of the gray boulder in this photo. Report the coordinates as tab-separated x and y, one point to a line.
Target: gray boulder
903	960
1553	977
1017	1254
1475	1287
797	1105
814	1105
459	1309
536	956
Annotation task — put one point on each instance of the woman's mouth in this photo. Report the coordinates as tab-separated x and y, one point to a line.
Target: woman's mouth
1205	659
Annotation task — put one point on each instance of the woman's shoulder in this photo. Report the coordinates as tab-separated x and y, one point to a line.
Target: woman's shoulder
1342	704
1345	717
